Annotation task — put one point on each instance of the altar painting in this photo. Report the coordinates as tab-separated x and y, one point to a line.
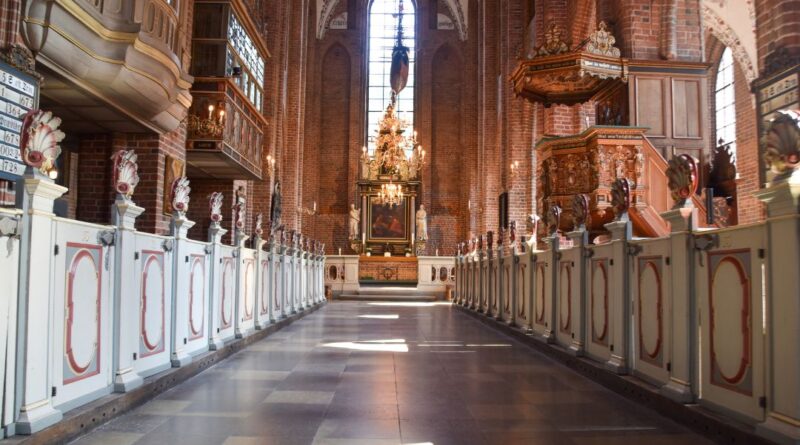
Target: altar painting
388	222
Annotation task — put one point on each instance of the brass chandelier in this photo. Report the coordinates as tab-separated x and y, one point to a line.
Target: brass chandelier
391	194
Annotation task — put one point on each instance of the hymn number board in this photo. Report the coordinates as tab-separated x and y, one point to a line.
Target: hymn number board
19	93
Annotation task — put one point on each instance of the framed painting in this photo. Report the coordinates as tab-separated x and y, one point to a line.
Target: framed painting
388	222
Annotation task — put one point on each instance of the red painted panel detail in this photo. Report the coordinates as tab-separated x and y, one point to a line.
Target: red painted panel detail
196	329
543	287
731	382
264	289
601	337
150	256
79	370
565	324
645	354
248	272
523	292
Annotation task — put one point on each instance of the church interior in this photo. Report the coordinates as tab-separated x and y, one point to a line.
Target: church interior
400	221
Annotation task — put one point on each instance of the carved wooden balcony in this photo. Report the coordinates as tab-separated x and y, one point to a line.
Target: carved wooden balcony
225	132
129	53
590	162
556	74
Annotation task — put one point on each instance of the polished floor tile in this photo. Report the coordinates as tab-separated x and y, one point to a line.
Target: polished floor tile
373	374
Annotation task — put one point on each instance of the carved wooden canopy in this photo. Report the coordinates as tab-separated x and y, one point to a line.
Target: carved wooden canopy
556	74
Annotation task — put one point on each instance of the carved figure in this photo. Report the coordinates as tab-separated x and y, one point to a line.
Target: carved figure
422	223
126	173
512	232
275	207
355	218
40	137
180	194
552	42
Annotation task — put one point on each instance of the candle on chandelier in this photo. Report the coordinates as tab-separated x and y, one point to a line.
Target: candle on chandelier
221	116
210	111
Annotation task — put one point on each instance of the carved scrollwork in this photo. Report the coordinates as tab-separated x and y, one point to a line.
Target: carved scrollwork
580	210
601	42
180	194
682	178
215	206
553	219
126	173
621	196
40	138
259	222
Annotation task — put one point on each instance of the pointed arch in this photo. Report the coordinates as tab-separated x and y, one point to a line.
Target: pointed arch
743	47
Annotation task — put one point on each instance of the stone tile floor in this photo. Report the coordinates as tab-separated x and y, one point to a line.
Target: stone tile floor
388	373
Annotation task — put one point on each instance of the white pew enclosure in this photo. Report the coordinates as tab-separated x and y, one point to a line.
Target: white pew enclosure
88	309
708	316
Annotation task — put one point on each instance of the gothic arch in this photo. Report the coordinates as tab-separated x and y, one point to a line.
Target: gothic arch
325	9
726	34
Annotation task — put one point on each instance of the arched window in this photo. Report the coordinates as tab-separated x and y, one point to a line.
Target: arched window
382	37
725	102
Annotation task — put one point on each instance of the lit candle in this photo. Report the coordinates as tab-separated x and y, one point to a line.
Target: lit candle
340	251
315	206
363	237
210	111
221	116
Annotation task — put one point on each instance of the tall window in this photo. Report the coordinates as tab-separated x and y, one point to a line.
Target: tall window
726	103
382	37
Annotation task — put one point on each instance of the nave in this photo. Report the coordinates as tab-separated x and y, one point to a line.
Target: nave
386	373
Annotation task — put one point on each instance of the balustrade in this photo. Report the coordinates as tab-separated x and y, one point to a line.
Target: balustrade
706	316
133	303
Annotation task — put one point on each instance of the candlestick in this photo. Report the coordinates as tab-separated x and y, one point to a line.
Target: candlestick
340	251
210	111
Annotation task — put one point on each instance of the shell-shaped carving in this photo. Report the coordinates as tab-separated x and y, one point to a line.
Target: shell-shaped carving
621	196
580	210
40	139
215	206
126	172
180	194
553	43
682	178
259	222
782	142
553	219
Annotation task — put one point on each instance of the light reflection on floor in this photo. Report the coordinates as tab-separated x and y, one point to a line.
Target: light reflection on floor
392	345
381	317
410	303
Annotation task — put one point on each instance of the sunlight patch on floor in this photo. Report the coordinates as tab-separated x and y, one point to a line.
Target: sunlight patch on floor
392	345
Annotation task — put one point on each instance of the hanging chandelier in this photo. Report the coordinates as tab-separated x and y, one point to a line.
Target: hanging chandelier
391	142
391	194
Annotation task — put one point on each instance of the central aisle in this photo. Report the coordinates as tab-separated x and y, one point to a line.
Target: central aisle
374	373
